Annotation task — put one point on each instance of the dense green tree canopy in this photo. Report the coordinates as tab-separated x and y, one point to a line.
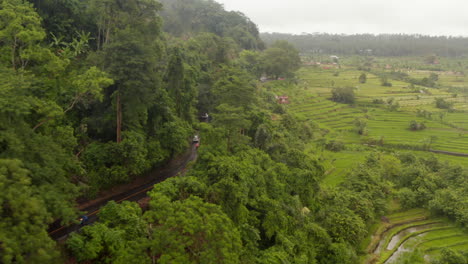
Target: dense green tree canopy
281	59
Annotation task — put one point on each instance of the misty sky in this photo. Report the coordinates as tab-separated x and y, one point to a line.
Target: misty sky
429	17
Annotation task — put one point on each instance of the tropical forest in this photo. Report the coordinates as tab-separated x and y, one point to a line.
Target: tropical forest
174	131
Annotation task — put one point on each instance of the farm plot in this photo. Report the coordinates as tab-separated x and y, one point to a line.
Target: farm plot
444	130
413	230
340	164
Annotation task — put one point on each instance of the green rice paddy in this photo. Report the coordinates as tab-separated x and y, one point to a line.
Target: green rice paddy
410	231
446	131
310	100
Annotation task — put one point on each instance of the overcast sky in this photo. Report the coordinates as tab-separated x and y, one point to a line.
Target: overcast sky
429	17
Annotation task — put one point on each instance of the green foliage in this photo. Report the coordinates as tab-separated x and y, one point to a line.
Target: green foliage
125	216
179	226
384	82
97	242
382	45
174	136
281	60
361	126
251	62
194	16
191	231
234	87
335	145
362	78
443	104
233	120
180	86
415	126
107	96
378	101
449	256
411	258
393	106
407	198
20	34
343	225
343	95
249	186
24	218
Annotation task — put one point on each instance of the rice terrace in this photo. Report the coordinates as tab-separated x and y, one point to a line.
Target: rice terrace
388	111
392	110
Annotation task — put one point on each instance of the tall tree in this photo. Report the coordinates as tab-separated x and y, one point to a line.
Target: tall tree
180	82
20	34
24	218
281	59
129	47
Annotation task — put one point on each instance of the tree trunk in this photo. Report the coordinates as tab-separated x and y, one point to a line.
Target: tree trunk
13	51
108	26
119	118
99	38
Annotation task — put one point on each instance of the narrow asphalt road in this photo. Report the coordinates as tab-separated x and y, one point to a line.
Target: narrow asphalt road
58	232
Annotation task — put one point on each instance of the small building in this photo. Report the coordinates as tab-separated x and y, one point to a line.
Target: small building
282	99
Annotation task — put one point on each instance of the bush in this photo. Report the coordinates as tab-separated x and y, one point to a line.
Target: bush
407	198
442	104
415	126
343	95
279	109
363	78
335	146
378	101
384	82
394	107
424	113
361	126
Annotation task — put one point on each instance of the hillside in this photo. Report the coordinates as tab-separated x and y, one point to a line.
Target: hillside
289	158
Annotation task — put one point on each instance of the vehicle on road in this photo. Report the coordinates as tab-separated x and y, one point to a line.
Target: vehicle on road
83	220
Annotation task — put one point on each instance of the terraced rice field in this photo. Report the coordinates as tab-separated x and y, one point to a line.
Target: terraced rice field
413	230
339	164
446	131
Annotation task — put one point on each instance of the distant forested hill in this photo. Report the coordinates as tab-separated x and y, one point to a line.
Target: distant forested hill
379	45
188	17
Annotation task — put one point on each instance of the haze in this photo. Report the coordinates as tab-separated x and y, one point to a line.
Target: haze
432	17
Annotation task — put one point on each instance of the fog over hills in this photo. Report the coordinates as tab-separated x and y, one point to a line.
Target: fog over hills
356	17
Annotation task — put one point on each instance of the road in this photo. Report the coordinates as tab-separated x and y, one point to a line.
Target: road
58	232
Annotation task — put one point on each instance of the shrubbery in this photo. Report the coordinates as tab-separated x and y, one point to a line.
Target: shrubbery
443	104
343	95
415	125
